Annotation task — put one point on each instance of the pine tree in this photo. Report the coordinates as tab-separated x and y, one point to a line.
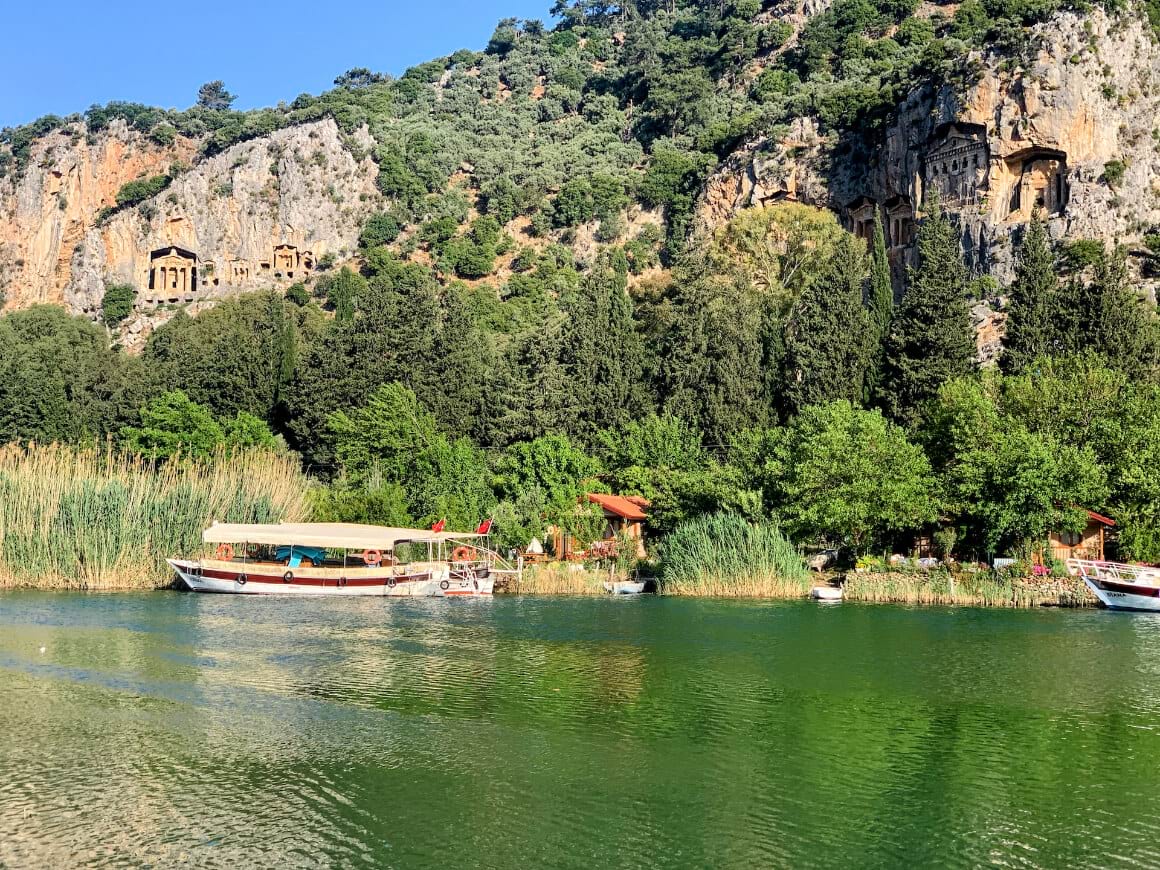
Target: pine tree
881	311
828	334
1031	329
931	340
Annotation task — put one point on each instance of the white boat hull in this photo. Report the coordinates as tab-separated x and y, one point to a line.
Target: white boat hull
1115	596
433	584
826	593
624	587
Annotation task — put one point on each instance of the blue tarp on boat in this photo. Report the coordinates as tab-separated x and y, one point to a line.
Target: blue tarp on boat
293	556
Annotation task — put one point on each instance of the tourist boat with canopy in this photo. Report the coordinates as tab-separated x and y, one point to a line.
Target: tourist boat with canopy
342	559
1119	586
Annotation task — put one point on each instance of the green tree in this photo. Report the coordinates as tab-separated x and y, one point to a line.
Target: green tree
931	340
1031	330
394	440
343	291
171	424
213	95
551	464
391	337
359	78
602	353
238	356
532	391
381	228
247	431
717	354
826	337
60	380
880	305
298	294
851	476
117	303
1007	486
1117	326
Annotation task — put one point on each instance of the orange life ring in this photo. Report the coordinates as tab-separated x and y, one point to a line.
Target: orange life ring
463	554
225	552
372	557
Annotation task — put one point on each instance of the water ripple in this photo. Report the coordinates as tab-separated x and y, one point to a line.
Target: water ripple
231	732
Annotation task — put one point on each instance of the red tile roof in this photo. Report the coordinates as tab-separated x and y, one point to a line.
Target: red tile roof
627	508
1100	518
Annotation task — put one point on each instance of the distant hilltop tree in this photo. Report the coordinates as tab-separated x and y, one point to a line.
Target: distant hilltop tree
358	78
213	95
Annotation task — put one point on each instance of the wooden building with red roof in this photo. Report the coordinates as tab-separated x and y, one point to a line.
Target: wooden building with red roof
1088	544
624	515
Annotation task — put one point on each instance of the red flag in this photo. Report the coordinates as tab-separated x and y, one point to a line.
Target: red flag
484	527
438	527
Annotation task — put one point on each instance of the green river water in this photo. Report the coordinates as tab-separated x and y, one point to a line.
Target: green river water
175	729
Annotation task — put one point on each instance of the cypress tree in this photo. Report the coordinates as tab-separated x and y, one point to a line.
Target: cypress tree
285	350
1031	329
881	312
1114	322
931	340
532	390
603	356
827	335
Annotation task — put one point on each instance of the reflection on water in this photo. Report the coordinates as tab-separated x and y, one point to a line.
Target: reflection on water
236	732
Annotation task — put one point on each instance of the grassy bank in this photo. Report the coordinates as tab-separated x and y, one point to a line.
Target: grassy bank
95	519
982	589
935	588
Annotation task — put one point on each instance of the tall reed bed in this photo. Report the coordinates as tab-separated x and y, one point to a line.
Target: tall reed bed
725	555
560	578
98	519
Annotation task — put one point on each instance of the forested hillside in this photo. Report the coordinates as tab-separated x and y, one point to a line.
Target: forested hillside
511	276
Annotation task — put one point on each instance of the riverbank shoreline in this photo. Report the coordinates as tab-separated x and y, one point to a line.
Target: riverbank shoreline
909	588
891	587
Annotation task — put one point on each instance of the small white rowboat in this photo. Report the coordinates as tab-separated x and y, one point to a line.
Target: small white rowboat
624	587
826	593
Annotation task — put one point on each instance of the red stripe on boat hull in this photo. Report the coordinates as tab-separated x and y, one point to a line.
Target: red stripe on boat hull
382	580
1129	589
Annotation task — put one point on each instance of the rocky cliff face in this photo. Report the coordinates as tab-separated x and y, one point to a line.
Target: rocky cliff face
47	210
263	213
1053	135
1073	133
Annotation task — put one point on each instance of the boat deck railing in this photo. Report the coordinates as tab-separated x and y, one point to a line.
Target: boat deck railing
1144	575
495	563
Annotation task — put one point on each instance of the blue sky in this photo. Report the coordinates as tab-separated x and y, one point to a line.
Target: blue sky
62	57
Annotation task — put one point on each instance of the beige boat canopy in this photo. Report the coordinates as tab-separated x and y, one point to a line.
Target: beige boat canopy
345	536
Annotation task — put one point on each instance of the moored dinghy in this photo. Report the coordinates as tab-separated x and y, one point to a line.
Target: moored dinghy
826	593
624	587
340	559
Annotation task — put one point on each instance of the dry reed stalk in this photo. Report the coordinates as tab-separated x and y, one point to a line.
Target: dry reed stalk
559	578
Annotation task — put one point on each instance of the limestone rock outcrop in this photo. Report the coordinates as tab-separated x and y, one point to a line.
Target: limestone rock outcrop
1073	133
262	213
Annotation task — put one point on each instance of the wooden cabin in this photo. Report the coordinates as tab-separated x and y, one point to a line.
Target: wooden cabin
1088	544
624	515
